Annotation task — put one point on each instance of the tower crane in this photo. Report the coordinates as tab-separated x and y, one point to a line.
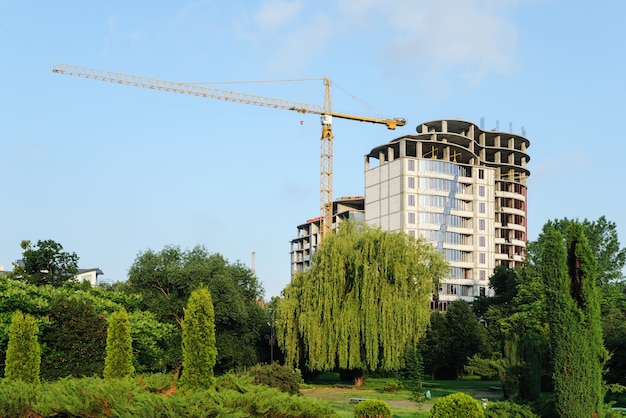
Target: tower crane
324	110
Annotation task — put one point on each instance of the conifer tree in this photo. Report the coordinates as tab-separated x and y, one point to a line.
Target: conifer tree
362	303
199	352
578	354
23	356
119	352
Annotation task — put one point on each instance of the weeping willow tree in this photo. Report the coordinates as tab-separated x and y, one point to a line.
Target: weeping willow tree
362	303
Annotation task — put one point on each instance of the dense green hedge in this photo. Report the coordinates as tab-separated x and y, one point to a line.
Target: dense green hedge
152	396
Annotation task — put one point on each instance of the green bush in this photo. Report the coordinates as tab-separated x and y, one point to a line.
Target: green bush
508	410
372	408
17	398
457	405
392	386
134	397
276	376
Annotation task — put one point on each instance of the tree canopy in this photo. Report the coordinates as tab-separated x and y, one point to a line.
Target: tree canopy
166	279
46	263
362	303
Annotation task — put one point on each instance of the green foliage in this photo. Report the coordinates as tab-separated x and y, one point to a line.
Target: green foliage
604	244
508	410
17	398
74	341
166	279
365	298
457	405
276	376
452	338
144	397
156	345
578	355
486	368
45	264
413	374
372	408
23	356
119	350
199	351
393	386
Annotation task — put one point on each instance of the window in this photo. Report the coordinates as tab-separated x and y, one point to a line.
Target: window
481	224
411	218
411	182
481	190
482	275
481	173
482	291
412	234
482	258
411	200
481	207
481	241
411	165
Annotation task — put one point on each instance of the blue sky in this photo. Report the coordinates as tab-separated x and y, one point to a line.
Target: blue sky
110	171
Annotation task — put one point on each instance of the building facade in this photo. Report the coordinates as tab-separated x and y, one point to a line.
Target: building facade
460	187
307	240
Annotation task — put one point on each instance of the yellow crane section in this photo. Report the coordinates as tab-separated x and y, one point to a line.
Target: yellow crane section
325	110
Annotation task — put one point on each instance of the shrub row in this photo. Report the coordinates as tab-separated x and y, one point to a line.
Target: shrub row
149	396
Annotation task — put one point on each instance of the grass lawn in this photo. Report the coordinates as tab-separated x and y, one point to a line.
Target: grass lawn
330	389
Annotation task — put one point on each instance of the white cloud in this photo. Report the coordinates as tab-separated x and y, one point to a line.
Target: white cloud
274	15
473	37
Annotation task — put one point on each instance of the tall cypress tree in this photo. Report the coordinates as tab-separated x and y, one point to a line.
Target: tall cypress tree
199	352
23	358
119	352
578	354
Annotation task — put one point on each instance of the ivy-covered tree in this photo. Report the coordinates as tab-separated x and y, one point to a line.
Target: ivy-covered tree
199	352
568	269
362	303
119	351
46	263
23	356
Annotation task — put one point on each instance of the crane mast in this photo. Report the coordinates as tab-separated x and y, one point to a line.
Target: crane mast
325	112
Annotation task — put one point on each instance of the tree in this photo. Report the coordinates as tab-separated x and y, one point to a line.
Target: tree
74	341
604	244
452	337
119	351
568	269
199	352
45	264
23	352
364	300
413	374
166	279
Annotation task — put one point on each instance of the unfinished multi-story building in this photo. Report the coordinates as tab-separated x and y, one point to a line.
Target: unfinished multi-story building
460	187
307	241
